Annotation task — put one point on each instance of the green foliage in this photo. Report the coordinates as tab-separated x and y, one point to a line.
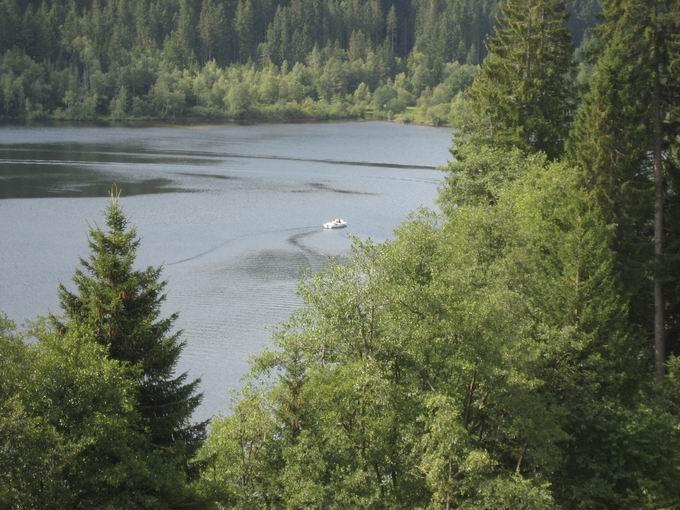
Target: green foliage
72	60
462	476
91	412
449	349
238	456
478	177
68	436
583	17
120	104
482	359
212	32
493	355
523	95
121	308
613	142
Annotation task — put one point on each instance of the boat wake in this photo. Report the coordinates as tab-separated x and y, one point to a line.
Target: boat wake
304	231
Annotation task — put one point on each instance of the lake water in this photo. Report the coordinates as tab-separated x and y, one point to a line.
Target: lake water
232	212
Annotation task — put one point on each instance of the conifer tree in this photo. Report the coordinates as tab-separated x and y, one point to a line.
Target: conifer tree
523	94
212	28
121	306
392	27
623	140
244	26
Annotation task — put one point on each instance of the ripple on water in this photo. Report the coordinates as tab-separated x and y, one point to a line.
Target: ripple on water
235	212
229	311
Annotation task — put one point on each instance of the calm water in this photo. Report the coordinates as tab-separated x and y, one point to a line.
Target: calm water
232	212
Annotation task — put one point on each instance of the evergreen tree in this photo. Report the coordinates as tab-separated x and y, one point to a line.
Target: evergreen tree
489	348
583	16
523	94
623	140
179	45
244	26
212	30
86	51
392	27
122	308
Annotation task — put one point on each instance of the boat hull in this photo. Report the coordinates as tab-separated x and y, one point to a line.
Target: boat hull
332	225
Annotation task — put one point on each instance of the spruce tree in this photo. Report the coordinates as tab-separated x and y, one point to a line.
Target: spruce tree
212	28
624	139
121	306
523	95
392	27
244	26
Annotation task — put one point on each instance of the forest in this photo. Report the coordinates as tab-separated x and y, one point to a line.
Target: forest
244	59
518	348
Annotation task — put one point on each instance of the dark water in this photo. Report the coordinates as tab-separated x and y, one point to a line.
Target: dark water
232	212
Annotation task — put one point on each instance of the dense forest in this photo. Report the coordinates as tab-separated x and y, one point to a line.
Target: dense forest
286	59
518	348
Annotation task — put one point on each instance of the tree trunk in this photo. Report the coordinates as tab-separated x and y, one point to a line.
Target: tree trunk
659	304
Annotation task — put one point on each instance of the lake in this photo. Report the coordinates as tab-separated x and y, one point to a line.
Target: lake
233	213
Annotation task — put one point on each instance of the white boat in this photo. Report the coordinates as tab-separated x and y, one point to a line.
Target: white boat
336	223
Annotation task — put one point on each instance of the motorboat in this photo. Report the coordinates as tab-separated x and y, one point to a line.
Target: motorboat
336	223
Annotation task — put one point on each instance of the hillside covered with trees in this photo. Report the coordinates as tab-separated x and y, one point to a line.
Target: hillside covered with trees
518	348
237	59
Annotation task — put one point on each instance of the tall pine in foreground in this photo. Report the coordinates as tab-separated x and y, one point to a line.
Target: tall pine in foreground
625	140
121	306
523	95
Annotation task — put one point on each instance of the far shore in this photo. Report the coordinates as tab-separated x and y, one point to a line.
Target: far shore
52	121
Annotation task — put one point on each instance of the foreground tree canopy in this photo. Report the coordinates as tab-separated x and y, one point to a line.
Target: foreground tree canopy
482	360
516	349
499	354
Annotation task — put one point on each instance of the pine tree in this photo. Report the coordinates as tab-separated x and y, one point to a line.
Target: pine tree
523	94
122	308
392	27
211	30
180	44
244	26
622	140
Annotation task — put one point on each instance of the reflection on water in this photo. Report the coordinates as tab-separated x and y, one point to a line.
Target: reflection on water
206	176
273	265
35	180
313	187
233	213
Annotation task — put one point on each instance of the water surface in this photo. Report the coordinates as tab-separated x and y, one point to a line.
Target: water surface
232	212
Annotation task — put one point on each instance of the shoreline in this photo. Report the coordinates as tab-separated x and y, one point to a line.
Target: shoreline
203	121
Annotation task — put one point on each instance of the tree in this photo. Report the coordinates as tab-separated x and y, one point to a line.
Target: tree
624	138
582	17
392	27
186	31
69	434
522	96
482	359
119	104
212	31
241	457
121	307
244	27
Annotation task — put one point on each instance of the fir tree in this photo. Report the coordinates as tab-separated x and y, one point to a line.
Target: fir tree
212	30
523	94
244	26
392	27
122	308
623	140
